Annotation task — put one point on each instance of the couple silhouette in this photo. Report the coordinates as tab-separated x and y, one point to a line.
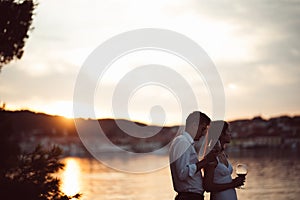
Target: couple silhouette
191	177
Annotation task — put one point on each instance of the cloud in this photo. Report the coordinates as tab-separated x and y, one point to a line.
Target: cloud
21	87
254	44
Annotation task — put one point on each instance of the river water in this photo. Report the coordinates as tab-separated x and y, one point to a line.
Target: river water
273	174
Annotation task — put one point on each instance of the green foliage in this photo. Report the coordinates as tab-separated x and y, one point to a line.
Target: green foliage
33	177
15	22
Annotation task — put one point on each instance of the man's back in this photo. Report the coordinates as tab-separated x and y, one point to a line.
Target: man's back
183	159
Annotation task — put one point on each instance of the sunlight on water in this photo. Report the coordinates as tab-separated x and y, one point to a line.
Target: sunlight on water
70	177
272	175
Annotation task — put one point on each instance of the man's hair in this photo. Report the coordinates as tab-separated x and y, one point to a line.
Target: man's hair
197	117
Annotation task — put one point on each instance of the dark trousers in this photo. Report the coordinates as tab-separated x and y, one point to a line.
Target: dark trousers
189	196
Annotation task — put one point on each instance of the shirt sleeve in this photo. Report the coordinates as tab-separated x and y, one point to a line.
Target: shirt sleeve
184	168
192	169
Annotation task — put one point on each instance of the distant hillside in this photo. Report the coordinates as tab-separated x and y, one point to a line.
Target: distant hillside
31	128
28	122
283	131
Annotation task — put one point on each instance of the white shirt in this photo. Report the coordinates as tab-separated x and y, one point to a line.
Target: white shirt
183	159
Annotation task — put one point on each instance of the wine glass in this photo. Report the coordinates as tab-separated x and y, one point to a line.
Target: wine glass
241	170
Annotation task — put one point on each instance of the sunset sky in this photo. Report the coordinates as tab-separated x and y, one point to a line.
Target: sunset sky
254	45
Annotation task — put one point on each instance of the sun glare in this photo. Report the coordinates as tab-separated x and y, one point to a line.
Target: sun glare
61	108
232	86
70	178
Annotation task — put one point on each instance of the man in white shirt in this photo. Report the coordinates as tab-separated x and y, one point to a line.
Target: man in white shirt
184	163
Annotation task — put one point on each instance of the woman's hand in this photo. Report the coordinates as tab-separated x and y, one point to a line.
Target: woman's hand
238	181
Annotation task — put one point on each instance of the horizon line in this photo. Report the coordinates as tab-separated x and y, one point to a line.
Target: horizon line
143	122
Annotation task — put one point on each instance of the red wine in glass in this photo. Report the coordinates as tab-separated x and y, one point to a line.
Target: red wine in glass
241	170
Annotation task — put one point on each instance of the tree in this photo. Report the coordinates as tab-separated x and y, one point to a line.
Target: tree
15	24
9	149
23	176
32	178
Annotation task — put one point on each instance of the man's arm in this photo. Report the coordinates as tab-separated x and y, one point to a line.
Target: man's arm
209	158
201	164
182	163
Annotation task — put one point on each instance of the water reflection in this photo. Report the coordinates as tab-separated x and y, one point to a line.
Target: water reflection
70	177
272	175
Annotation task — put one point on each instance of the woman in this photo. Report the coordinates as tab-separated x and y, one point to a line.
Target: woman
217	174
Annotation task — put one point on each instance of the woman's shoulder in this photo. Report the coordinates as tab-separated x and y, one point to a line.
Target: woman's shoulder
212	163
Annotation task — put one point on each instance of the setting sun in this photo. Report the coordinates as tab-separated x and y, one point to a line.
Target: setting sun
61	108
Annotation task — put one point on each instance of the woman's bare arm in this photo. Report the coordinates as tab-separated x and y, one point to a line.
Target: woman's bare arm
208	181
